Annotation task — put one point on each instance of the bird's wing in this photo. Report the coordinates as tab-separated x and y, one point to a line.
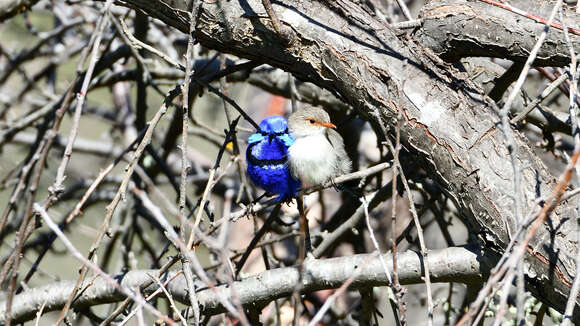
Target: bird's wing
344	165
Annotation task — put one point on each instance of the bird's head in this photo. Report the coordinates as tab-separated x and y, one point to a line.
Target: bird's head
309	121
272	127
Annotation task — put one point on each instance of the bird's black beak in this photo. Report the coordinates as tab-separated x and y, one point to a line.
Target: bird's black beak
270	137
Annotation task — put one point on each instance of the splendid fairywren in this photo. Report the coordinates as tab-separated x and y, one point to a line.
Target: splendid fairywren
267	158
317	154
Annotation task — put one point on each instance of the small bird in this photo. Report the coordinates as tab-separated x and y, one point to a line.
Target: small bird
317	154
267	157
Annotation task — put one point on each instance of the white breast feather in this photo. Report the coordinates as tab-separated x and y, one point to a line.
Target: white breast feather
312	159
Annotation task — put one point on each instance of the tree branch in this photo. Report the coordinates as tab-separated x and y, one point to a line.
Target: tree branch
456	264
454	29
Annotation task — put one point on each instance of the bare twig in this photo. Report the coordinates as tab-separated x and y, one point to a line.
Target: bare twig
396	287
125	304
170	298
285	32
211	182
161	289
512	148
408	24
405	10
545	93
424	251
180	244
327	304
391	293
573	110
189	60
538	19
58	186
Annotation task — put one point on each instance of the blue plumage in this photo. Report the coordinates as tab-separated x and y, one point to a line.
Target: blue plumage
267	158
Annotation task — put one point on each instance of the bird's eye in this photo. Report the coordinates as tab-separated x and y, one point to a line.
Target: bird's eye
311	121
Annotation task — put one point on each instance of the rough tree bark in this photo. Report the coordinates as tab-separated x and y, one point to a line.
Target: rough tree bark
457	29
449	123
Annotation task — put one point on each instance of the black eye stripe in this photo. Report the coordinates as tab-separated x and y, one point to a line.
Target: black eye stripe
263	133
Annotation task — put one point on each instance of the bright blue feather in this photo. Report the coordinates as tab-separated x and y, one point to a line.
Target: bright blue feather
267	158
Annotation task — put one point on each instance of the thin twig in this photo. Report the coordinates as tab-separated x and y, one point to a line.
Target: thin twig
513	258
424	251
545	93
285	32
396	286
392	294
408	24
170	298
211	182
149	297
212	89
122	188
58	186
512	150
258	207
180	244
125	304
257	237
535	18
189	71
38	160
405	10
573	110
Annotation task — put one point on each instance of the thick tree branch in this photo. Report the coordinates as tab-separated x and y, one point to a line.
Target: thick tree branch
456	264
456	28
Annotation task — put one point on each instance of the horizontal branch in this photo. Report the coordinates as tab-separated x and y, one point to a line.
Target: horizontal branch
456	264
456	28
